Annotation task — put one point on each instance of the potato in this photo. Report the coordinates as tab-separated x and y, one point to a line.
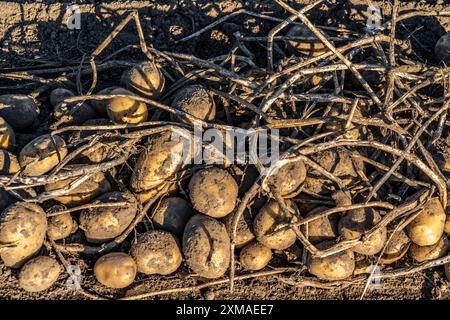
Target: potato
305	47
338	266
344	111
160	160
287	179
355	223
427	228
255	256
58	95
74	113
105	223
145	196
115	270
84	193
157	252
447	225
267	221
172	214
339	163
60	226
145	79
7	136
206	246
39	274
126	110
101	106
213	192
42	154
434	251
196	101
23	225
244	232
319	230
442	48
18	110
8	163
396	248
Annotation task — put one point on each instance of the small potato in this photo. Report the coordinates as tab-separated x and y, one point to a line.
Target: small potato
196	101
84	193
244	232
157	252
18	110
101	106
105	223
434	251
8	163
23	225
74	114
287	180
115	270
42	154
427	228
319	230
255	256
159	161
145	79
355	223
340	164
60	226
172	214
306	47
126	110
59	94
396	248
7	136
268	220
213	192
338	266
39	274
206	246
442	48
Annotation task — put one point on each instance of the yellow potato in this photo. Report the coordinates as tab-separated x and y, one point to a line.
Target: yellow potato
244	231
8	163
39	274
101	106
447	225
196	101
172	214
60	226
427	228
19	111
42	154
7	136
145	79
255	256
126	110
74	113
287	179
319	230
396	248
434	251
115	270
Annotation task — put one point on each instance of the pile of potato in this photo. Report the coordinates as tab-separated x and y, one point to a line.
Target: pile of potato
191	224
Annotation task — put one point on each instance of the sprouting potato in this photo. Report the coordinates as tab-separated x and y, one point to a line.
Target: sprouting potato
145	79
18	110
115	270
196	101
39	274
172	214
124	110
255	256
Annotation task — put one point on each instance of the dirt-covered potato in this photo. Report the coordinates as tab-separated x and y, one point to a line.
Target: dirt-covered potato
355	223
172	214
306	47
145	79
338	162
206	246
84	193
447	225
396	248
126	109
157	252
344	111
18	110
42	154
101	106
8	163
115	270
268	220
73	113
255	256
213	192
244	231
319	230
196	101
23	226
442	48
7	136
427	228
338	266
434	251
60	226
105	223
145	196
159	161
59	94
287	179
39	274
